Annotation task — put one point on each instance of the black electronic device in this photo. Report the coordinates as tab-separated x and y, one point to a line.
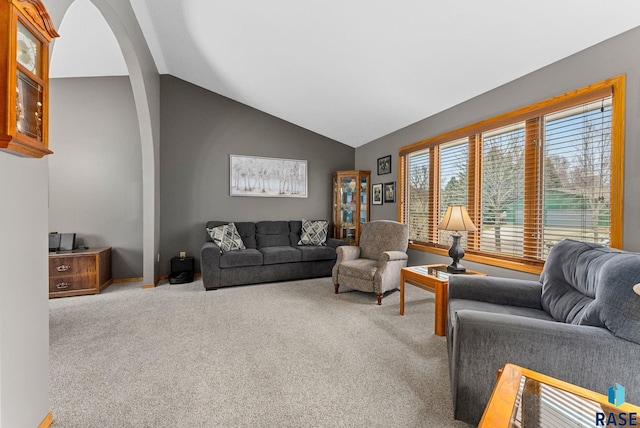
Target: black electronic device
181	270
54	241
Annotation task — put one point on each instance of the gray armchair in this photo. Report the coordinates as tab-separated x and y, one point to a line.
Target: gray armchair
374	265
579	323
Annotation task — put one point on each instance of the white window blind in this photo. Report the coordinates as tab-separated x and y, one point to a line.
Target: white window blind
418	195
576	171
529	178
453	182
503	190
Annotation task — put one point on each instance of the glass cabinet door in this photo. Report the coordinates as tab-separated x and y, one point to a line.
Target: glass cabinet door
350	204
364	199
348	207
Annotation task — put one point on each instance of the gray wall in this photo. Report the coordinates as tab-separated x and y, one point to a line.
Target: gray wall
95	185
610	58
199	130
24	301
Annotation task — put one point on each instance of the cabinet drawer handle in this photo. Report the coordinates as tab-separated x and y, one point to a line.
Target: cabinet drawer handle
63	268
63	285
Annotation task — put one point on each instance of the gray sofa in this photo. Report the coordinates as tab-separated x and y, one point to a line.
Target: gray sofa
272	254
579	323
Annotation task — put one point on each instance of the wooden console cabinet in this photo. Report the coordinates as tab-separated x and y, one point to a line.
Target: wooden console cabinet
79	272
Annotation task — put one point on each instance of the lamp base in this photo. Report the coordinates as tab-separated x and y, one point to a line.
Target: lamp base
457	268
456	253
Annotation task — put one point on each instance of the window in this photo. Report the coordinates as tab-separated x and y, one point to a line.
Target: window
418	192
576	174
453	182
529	179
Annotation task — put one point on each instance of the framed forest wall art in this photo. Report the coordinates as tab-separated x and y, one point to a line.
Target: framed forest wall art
267	177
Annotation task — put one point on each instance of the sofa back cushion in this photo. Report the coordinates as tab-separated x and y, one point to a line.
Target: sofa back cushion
246	230
589	284
295	230
272	234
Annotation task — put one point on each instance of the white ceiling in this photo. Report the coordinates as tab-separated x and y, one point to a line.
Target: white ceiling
351	70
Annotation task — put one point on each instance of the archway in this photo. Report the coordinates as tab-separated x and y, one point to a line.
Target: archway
145	85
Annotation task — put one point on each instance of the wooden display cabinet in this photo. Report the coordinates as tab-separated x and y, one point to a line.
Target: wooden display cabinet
25	33
351	199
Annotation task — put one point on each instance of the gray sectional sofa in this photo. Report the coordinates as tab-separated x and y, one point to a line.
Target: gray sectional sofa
579	323
272	254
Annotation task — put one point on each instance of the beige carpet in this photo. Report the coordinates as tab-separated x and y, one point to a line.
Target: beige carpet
289	354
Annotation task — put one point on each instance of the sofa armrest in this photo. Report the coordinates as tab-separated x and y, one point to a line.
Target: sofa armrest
210	265
493	289
482	343
335	243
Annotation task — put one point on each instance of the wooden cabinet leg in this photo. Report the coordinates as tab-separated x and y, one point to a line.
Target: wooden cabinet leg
336	286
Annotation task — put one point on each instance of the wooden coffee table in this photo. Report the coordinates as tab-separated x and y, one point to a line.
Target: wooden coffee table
434	278
523	397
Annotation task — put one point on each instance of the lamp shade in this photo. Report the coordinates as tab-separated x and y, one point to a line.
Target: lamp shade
456	218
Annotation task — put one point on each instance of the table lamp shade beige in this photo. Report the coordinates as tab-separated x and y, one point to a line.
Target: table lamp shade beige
457	220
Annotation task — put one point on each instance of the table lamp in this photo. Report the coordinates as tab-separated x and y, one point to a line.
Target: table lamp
456	219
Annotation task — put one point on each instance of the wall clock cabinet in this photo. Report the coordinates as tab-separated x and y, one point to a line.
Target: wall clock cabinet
350	204
25	33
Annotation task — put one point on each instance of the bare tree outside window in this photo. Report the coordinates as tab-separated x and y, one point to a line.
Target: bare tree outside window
577	175
502	190
454	159
418	194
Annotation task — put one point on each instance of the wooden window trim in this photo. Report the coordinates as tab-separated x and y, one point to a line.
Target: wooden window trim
532	191
614	86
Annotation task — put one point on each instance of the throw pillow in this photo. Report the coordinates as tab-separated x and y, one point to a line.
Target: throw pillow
314	232
226	237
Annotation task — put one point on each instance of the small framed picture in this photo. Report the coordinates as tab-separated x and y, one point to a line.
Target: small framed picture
376	194
390	192
384	165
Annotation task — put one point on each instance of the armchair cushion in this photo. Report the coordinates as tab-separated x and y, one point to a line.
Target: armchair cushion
589	284
382	235
359	268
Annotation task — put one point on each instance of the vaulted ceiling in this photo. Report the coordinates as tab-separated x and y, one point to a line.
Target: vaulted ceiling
351	70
